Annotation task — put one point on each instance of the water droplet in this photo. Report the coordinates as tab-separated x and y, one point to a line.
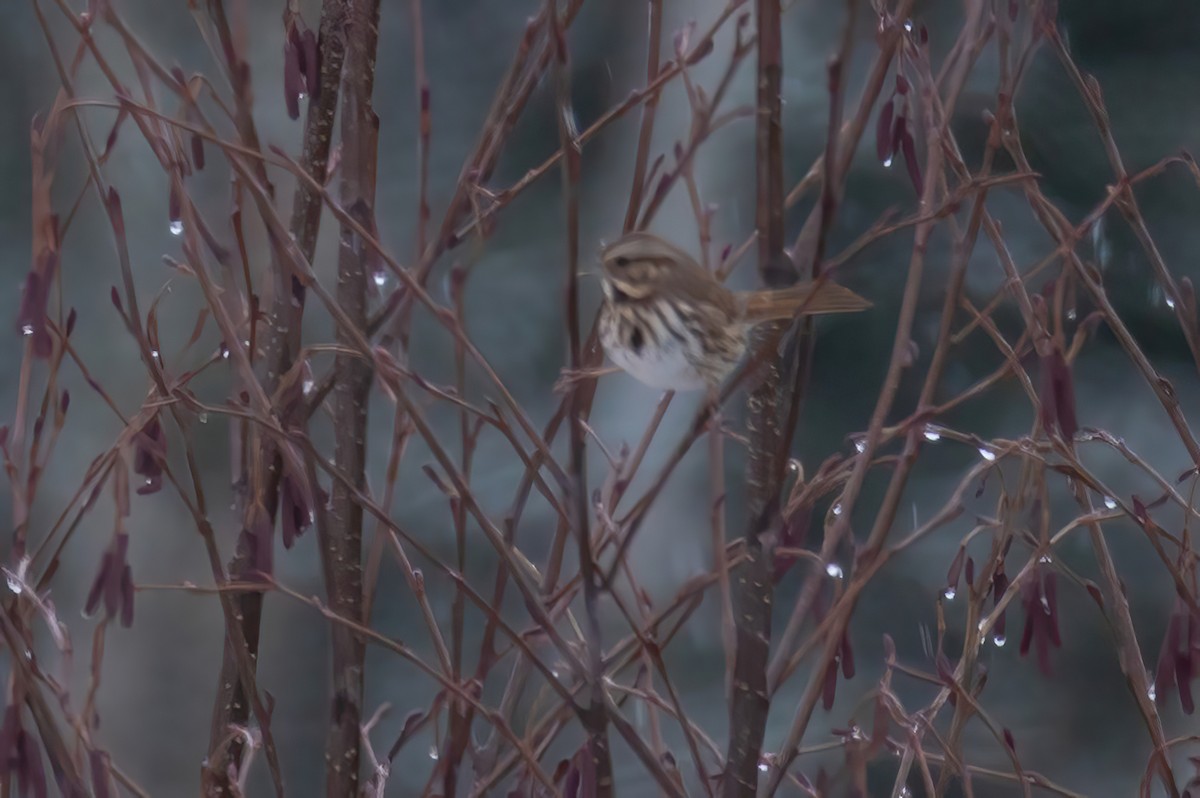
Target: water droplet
908	25
1071	314
1170	303
793	465
1152	693
302	96
380	278
932	434
308	385
999	640
1110	502
27	329
433	752
949	593
887	163
225	354
176	227
905	792
763	767
987	454
860	446
154	354
834	570
837	509
1045	558
202	418
14	584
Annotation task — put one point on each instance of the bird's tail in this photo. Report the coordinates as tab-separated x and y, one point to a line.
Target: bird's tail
805	300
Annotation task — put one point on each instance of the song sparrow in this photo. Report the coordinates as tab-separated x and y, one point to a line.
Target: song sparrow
670	323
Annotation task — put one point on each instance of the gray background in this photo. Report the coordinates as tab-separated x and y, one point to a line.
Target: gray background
1079	727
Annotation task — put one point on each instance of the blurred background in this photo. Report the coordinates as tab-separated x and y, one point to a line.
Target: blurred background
1079	726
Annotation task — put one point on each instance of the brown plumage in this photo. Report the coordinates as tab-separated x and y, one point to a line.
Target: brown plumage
668	322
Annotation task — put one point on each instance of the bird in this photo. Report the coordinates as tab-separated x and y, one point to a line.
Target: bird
669	323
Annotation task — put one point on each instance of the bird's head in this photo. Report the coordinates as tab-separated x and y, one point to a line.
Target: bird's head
636	265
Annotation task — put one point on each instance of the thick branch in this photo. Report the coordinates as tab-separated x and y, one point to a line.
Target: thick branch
281	342
341	536
752	583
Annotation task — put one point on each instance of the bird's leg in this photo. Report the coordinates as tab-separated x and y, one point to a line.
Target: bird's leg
569	378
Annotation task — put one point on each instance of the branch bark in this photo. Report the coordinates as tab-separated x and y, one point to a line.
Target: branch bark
341	536
231	706
753	586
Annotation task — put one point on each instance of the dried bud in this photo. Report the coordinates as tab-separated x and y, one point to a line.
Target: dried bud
1058	396
954	572
293	75
829	689
909	150
197	151
310	62
1039	596
113	582
296	506
883	133
1179	657
149	455
35	300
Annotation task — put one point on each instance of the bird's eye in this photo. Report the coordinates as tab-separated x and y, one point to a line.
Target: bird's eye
621	261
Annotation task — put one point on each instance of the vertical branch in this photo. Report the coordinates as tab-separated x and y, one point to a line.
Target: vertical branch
595	714
282	341
646	131
753	585
341	540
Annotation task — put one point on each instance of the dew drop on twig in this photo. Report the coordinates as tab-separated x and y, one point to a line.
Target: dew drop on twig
949	593
932	434
1110	502
176	227
834	570
999	640
987	454
27	329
